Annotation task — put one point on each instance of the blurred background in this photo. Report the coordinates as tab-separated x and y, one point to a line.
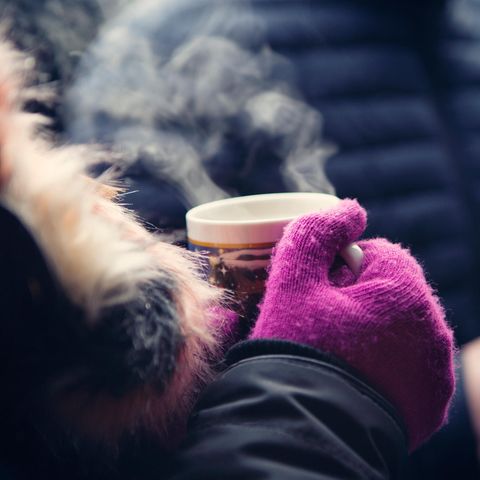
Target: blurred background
203	99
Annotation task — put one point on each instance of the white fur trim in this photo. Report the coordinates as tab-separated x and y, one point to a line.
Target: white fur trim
98	251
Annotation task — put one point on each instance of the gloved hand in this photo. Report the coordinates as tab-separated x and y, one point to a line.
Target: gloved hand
387	323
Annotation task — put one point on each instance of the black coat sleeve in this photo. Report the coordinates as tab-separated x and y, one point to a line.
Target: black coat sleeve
284	411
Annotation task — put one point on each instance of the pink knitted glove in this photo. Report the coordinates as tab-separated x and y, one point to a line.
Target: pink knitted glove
387	323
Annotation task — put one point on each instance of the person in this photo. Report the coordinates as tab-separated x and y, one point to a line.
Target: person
391	85
106	334
380	76
384	84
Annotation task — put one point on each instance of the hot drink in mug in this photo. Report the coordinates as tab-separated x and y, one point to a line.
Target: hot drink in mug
237	236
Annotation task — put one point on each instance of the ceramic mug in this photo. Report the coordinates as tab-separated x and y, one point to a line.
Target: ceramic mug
237	235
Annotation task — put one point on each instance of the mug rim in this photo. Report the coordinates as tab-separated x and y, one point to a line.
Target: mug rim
213	232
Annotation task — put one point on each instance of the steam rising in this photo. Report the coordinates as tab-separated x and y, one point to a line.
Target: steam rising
170	81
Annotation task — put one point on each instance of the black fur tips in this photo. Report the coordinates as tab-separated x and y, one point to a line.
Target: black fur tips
136	343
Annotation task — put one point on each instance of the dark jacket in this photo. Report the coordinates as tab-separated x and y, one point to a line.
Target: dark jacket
284	411
279	411
395	84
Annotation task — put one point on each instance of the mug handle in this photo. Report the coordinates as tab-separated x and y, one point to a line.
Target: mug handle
353	256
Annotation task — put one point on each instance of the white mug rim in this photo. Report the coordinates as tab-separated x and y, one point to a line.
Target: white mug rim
251	231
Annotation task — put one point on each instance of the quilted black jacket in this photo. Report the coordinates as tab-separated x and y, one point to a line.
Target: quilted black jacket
392	86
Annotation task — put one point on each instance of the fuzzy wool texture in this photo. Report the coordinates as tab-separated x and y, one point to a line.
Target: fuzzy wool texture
104	258
387	323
